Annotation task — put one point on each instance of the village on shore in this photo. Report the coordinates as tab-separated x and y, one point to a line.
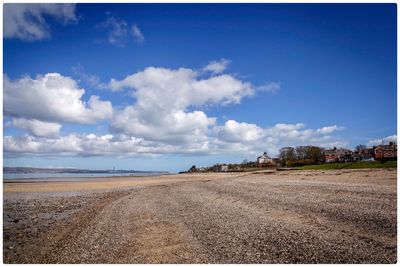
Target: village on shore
290	157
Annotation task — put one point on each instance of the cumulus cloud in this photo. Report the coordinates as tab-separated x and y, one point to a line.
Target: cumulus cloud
385	140
82	145
37	128
52	98
181	88
217	67
250	138
232	137
233	131
166	111
28	22
32	145
172	127
167	116
163	98
297	134
137	34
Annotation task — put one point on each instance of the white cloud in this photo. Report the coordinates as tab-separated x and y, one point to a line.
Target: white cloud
30	144
178	89
163	97
172	127
271	87
38	128
161	114
329	129
81	145
166	116
251	139
217	67
284	127
137	34
233	137
27	22
385	140
233	131
117	30
91	79
298	134
52	98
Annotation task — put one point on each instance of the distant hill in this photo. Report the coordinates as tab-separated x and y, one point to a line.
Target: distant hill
68	170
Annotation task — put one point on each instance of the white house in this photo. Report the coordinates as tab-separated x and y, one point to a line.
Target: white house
264	159
221	168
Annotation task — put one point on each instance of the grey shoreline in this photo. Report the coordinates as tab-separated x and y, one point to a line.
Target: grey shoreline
78	178
75	179
284	217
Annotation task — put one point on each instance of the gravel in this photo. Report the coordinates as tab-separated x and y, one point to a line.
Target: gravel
284	217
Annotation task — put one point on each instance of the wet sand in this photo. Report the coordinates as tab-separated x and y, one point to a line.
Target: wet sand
338	216
98	183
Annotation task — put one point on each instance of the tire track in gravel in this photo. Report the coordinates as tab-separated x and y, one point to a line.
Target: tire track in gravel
366	206
284	234
125	230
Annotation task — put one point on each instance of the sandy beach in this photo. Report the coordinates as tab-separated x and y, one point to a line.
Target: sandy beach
335	216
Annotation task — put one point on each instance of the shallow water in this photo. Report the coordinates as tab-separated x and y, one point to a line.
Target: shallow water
65	176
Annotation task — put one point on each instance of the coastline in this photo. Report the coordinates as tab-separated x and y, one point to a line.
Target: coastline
78	178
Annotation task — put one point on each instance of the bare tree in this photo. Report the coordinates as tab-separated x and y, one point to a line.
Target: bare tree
360	148
287	155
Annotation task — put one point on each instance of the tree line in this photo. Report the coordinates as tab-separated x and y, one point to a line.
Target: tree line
301	155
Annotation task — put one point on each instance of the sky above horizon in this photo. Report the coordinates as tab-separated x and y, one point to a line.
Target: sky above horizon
168	86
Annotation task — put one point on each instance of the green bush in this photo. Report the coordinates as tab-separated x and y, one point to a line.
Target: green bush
353	165
303	162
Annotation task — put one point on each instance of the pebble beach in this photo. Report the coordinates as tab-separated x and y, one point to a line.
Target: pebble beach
334	216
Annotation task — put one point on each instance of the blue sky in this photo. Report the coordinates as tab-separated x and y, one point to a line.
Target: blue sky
169	86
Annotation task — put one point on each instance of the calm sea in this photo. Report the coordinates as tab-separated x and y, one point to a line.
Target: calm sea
38	175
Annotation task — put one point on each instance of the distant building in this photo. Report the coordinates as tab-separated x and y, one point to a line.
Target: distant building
264	159
330	155
338	155
366	154
221	168
385	152
355	157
